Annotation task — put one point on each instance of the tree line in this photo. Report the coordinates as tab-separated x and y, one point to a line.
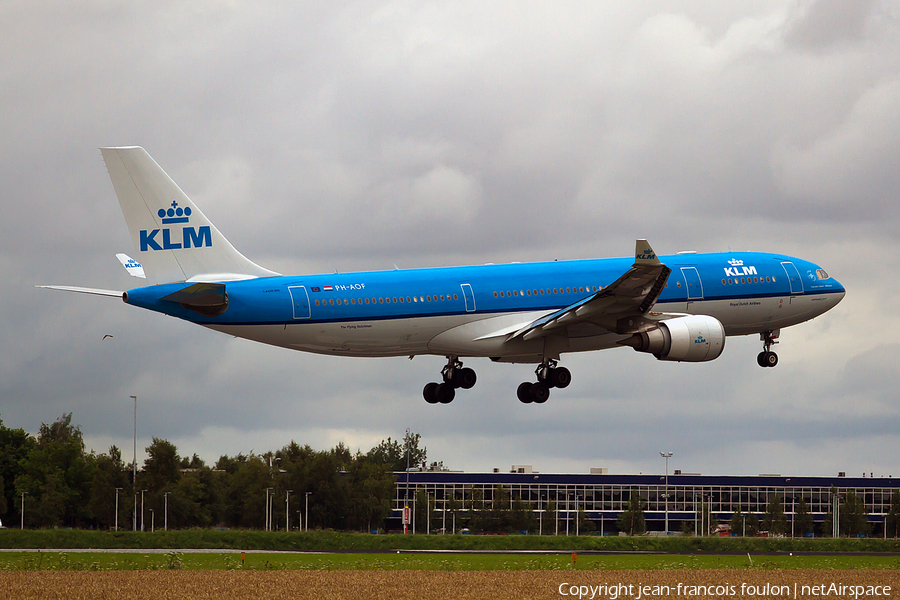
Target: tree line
62	485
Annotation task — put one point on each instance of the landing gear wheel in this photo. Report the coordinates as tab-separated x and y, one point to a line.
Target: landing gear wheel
430	393
444	393
560	377
770	359
464	378
539	392
524	392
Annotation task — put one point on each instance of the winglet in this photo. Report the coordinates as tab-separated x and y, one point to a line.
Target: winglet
644	254
134	268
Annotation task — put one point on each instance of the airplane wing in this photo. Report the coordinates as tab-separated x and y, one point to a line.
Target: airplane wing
619	308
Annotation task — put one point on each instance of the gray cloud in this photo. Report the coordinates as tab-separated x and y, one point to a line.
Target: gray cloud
320	137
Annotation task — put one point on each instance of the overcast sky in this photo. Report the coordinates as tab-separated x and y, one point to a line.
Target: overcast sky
355	136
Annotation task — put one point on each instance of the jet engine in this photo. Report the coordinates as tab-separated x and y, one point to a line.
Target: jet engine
695	338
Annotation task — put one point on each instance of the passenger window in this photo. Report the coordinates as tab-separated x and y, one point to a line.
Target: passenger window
455	297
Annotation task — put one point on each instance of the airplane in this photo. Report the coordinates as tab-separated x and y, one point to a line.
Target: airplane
678	307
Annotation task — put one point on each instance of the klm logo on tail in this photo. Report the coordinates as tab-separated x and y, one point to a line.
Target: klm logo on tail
191	237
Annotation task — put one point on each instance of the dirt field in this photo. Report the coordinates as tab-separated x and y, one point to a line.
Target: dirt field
425	585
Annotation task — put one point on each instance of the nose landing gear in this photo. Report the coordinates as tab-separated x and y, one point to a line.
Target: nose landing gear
455	376
548	376
767	358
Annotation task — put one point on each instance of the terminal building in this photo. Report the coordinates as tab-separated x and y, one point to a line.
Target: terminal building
604	497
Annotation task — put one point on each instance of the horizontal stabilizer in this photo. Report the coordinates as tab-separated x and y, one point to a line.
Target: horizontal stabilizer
81	290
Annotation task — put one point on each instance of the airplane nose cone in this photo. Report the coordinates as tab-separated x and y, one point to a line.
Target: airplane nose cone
837	293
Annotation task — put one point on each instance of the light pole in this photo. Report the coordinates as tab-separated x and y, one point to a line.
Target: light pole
134	462
267	508
577	520
287	512
406	493
134	523
556	512
117	508
166	496
23	510
142	509
541	517
306	515
152	521
793	501
667	456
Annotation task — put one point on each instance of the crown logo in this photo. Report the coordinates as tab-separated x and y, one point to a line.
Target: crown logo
175	214
734	262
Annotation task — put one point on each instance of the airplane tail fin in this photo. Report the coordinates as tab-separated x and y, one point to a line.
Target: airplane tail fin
174	240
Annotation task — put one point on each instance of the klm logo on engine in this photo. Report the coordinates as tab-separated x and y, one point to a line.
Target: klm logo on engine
738	269
169	238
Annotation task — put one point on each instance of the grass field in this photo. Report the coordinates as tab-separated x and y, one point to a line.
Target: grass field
397	576
330	540
260	561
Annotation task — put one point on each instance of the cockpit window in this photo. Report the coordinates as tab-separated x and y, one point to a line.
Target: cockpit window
821	274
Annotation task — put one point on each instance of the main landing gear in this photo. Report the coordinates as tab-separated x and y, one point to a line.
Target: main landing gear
767	358
548	376
455	376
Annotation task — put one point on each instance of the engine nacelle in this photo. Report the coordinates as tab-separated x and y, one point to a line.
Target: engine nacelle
696	338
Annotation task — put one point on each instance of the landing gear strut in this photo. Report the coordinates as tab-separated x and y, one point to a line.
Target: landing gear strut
454	376
767	358
548	376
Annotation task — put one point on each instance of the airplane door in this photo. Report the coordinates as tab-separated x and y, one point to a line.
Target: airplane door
469	296
693	283
300	301
793	276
